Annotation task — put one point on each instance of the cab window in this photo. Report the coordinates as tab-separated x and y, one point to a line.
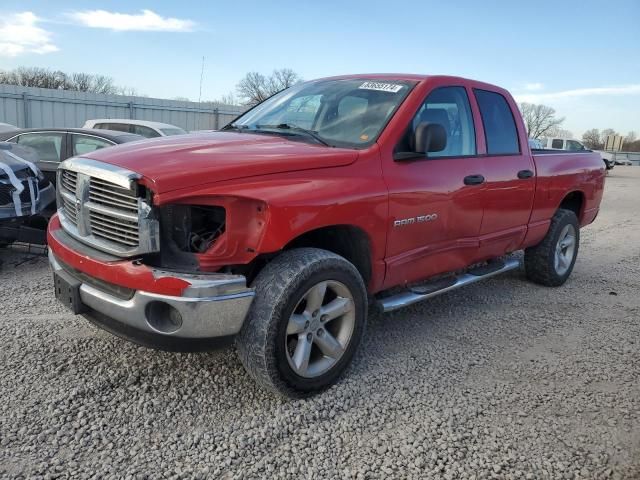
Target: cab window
557	143
575	146
449	107
500	129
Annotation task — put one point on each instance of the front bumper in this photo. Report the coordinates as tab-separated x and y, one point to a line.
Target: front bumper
211	307
45	197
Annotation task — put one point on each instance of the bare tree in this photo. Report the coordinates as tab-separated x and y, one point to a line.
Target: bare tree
540	120
557	132
104	84
281	79
631	137
605	133
229	99
633	146
35	77
55	79
129	91
82	81
255	87
591	139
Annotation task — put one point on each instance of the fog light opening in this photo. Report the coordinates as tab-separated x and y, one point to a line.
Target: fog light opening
162	317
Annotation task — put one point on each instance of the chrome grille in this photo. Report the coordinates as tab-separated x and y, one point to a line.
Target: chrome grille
69	180
99	205
114	229
112	196
70	209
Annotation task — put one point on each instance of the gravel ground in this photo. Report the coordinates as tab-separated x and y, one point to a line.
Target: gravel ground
503	379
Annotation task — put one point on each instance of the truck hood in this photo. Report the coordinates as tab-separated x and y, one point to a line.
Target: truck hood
184	161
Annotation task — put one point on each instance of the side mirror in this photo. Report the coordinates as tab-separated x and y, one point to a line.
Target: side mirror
429	137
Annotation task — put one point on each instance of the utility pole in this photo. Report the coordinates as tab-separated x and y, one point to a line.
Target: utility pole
200	94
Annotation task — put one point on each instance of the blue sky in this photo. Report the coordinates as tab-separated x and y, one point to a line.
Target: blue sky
580	57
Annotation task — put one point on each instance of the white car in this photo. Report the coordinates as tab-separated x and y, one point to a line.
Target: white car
7	127
139	127
563	144
535	144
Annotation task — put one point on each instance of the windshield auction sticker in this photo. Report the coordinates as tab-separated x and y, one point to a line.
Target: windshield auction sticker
382	87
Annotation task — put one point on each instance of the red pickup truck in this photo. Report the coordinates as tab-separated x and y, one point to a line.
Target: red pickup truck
280	230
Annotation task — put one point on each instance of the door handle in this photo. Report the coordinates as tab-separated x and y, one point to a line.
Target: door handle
525	174
473	180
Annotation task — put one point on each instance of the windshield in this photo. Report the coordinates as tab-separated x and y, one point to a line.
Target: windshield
344	113
172	131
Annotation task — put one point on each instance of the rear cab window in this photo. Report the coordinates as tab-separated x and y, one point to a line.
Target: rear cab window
501	133
557	143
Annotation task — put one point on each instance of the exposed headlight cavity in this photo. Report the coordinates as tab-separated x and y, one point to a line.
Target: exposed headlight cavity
193	228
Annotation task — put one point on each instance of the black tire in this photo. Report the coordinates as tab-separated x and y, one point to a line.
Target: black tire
280	286
539	261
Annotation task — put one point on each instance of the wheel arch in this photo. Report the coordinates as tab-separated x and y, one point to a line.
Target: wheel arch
575	202
348	241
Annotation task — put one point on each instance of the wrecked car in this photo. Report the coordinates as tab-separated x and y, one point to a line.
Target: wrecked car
24	194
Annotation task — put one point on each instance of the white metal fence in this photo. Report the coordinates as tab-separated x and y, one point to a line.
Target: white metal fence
29	107
633	157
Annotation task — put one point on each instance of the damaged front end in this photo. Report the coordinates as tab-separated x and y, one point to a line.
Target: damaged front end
170	272
209	235
24	196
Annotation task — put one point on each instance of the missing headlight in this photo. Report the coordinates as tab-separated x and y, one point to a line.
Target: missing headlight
194	228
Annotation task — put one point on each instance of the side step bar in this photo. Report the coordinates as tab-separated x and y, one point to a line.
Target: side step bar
410	297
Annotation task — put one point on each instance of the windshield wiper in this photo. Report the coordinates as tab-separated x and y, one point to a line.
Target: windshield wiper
235	126
294	128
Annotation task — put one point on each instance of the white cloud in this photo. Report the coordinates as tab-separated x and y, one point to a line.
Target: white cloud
579	92
533	86
147	20
20	34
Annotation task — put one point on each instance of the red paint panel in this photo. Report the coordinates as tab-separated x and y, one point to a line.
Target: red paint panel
188	161
275	190
123	273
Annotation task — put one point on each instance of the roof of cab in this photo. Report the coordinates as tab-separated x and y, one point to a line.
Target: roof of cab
415	78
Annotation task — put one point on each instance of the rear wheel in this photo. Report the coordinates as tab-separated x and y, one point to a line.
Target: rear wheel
551	261
305	322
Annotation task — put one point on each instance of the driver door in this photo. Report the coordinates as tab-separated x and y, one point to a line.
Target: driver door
435	202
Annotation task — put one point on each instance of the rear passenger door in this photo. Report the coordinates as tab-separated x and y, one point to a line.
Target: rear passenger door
509	176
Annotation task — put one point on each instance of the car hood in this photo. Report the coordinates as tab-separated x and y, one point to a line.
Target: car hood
20	159
184	161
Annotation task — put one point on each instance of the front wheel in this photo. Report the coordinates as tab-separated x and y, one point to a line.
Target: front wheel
551	261
305	323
